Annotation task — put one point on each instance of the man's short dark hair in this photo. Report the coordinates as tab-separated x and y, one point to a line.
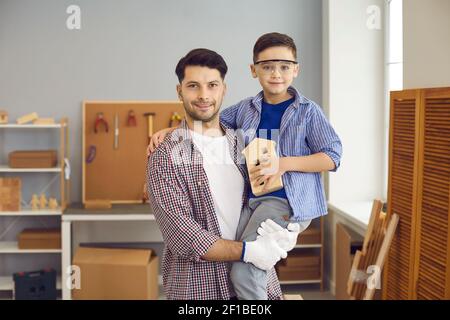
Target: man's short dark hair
273	39
203	58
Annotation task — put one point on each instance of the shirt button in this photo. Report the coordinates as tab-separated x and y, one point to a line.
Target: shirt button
199	183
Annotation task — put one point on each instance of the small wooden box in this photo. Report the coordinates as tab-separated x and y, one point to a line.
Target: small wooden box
10	194
253	153
40	239
309	236
33	159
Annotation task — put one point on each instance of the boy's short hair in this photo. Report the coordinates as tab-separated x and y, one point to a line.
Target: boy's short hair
273	39
203	58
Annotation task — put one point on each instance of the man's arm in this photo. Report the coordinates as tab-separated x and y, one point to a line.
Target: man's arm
224	250
173	211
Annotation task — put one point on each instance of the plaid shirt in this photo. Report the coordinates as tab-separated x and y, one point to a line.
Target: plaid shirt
184	209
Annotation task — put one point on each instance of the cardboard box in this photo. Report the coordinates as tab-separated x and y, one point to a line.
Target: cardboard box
39	239
309	236
112	274
33	159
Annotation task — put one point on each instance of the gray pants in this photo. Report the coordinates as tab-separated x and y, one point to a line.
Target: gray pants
250	283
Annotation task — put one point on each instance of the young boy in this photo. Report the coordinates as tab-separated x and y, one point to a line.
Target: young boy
306	146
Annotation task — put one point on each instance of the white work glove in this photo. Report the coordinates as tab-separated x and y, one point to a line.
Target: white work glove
286	238
264	252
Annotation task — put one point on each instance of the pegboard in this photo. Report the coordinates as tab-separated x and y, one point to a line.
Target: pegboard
118	174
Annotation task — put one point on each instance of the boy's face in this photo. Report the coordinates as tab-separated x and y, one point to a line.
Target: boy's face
201	91
275	76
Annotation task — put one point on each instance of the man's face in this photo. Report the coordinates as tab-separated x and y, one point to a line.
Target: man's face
275	77
202	91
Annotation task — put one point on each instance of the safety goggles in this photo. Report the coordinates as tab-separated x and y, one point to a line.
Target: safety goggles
268	67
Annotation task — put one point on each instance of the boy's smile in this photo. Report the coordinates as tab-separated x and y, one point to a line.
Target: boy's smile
275	73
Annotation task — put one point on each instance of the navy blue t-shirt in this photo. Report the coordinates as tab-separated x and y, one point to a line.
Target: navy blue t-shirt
271	115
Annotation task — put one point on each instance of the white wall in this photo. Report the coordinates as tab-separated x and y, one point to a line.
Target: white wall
354	98
426	32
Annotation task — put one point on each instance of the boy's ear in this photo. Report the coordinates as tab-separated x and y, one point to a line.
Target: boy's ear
180	96
296	70
253	71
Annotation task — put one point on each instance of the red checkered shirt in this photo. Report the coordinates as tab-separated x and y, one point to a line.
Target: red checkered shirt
184	209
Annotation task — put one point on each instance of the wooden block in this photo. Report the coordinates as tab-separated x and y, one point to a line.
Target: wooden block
293	297
10	193
27	118
3	117
44	121
254	153
97	204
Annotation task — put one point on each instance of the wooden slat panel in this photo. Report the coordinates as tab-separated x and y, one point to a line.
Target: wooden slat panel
432	270
402	164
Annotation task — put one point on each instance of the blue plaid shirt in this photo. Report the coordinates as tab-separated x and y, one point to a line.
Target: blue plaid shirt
304	130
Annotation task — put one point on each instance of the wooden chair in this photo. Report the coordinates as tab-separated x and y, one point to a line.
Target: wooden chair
365	275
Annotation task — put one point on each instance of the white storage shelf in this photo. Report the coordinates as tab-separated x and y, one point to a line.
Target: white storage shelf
7	283
29	212
5	168
31	126
12	247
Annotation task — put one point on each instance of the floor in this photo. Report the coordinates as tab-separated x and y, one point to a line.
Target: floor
308	292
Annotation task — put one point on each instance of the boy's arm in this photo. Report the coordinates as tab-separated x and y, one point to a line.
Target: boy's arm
325	145
317	162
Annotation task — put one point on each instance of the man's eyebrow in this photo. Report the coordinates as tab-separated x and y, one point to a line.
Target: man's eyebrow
214	81
191	82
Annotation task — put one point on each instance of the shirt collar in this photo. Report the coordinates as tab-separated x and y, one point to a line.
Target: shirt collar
299	98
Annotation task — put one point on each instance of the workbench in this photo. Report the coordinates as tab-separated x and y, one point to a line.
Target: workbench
76	213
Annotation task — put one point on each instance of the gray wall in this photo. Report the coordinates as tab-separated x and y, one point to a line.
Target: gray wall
127	50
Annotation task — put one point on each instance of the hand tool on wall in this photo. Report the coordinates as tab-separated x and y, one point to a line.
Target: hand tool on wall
116	131
175	118
91	154
150	116
100	119
131	121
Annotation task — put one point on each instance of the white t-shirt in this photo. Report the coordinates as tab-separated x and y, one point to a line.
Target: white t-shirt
225	181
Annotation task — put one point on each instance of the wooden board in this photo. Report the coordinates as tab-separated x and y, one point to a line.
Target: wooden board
118	175
10	192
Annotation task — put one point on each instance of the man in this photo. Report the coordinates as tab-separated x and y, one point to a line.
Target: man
196	185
